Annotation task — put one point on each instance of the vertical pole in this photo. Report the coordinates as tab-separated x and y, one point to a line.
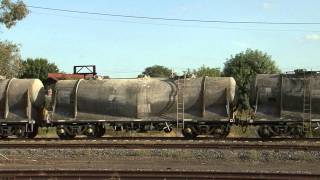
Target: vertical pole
94	70
310	101
203	94
281	96
177	99
184	81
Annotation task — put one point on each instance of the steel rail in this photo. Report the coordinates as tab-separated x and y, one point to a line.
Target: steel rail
150	174
167	138
156	145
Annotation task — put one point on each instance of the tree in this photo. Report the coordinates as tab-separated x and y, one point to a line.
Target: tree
11	12
38	68
207	71
157	71
10	60
244	66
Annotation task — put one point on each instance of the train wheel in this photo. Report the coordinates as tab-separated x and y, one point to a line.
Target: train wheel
20	132
92	131
297	132
167	128
34	133
221	132
62	132
66	136
100	131
71	136
4	132
264	132
226	131
189	133
63	136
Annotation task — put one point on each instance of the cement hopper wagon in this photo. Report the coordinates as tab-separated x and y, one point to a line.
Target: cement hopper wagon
21	104
195	105
286	104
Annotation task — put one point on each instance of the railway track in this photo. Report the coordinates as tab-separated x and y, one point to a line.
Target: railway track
148	174
170	139
155	145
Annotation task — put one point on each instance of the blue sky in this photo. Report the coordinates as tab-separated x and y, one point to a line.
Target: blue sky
122	47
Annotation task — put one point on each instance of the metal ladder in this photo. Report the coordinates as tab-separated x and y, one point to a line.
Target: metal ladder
307	104
180	100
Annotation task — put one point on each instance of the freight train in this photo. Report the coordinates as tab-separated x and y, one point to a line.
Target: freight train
281	104
286	104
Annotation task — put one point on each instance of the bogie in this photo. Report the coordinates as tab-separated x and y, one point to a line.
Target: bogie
20	131
189	132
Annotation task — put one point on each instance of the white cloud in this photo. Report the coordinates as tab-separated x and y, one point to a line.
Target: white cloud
189	8
312	37
240	44
266	5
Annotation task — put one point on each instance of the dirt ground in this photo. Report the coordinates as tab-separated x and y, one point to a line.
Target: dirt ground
164	159
162	165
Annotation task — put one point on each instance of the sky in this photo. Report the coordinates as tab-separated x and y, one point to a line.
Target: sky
123	47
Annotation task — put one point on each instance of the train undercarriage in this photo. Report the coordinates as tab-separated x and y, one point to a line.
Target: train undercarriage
97	129
18	129
281	128
188	129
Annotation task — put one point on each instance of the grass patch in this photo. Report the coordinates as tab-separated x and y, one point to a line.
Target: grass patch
47	132
238	131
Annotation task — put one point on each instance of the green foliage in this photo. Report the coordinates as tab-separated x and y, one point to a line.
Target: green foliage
207	71
157	71
10	60
244	66
38	68
11	12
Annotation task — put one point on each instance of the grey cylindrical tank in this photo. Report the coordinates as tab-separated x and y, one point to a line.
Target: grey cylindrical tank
144	98
21	99
282	96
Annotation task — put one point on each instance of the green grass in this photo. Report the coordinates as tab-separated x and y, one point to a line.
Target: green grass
238	131
47	132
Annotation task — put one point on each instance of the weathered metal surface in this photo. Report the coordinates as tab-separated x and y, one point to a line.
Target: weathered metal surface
20	99
279	96
144	98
